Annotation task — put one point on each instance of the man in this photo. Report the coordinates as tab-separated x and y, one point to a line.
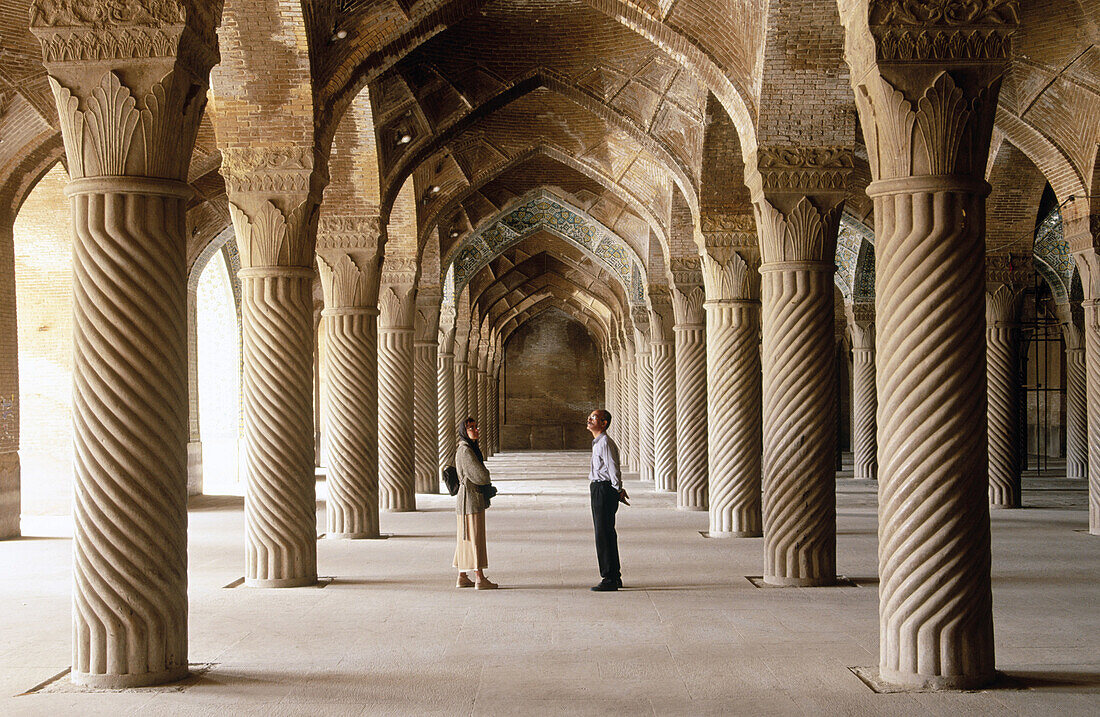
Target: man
606	486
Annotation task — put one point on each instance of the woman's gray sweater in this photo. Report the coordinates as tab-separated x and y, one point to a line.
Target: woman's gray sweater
471	473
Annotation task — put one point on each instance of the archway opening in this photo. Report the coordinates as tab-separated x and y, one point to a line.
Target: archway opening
218	379
553	377
43	283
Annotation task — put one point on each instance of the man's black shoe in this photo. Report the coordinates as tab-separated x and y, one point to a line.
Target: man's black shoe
606	587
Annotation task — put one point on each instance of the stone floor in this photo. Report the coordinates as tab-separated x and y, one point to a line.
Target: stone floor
391	635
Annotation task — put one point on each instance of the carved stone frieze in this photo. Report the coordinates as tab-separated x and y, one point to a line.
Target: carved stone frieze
973	30
272	170
805	169
78	31
399	271
1012	269
686	272
943	13
336	232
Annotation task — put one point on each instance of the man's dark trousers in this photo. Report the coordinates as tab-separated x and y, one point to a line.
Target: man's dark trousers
605	503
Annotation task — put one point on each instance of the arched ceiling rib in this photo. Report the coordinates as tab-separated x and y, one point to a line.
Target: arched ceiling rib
543	166
542	211
716	40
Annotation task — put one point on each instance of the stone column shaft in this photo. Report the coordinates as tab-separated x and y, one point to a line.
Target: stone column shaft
280	501
645	413
446	424
935	613
396	482
1077	446
1092	362
864	396
1002	342
734	418
462	409
351	415
129	431
10	501
799	405
691	407
425	416
864	406
663	356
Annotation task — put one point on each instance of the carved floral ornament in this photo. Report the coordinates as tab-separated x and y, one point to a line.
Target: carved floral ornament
924	30
274	170
115	137
804	168
336	232
804	234
945	13
106	13
347	281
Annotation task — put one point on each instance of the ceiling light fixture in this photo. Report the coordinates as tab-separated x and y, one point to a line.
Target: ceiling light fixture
404	138
339	34
434	189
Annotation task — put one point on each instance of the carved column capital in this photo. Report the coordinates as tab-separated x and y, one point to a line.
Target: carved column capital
1002	305
660	313
861	325
804	233
687	306
349	280
731	275
426	325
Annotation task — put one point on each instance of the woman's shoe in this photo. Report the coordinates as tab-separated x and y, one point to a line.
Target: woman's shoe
464	582
485	584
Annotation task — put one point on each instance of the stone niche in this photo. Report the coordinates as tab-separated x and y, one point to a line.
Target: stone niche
553	378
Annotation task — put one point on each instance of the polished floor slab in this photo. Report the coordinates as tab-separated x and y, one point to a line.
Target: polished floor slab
390	634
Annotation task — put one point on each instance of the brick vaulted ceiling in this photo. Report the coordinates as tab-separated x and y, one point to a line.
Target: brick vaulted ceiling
626	109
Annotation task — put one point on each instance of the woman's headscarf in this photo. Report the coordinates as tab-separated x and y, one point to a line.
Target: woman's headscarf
464	438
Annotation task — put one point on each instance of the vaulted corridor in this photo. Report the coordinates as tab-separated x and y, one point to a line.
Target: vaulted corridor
389	634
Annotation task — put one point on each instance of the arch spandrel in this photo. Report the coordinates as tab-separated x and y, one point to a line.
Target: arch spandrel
542	211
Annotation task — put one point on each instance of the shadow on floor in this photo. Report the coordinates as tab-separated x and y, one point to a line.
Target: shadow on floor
1054	680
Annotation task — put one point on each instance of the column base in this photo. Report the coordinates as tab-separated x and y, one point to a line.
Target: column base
120	682
936	682
351	536
782	582
1004	506
281	582
692	508
736	534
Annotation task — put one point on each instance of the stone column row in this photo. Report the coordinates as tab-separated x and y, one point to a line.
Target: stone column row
663	370
691	387
396	464
425	390
861	328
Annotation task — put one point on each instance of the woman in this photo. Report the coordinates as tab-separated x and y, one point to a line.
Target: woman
470	553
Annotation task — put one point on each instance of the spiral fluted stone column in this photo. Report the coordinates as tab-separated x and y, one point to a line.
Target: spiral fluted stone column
663	361
733	388
396	483
1002	342
425	391
470	381
483	394
645	393
128	125
864	392
129	431
799	404
629	416
1092	363
691	397
1077	446
462	409
445	391
927	122
494	404
798	479
349	280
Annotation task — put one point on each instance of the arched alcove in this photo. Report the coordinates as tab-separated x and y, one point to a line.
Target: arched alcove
218	358
553	377
43	282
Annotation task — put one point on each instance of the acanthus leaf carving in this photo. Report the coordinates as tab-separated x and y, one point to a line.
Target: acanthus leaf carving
348	281
942	118
687	305
270	238
805	234
861	324
396	305
1002	304
729	277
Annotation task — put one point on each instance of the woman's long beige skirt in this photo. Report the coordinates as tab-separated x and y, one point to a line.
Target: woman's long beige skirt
470	551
